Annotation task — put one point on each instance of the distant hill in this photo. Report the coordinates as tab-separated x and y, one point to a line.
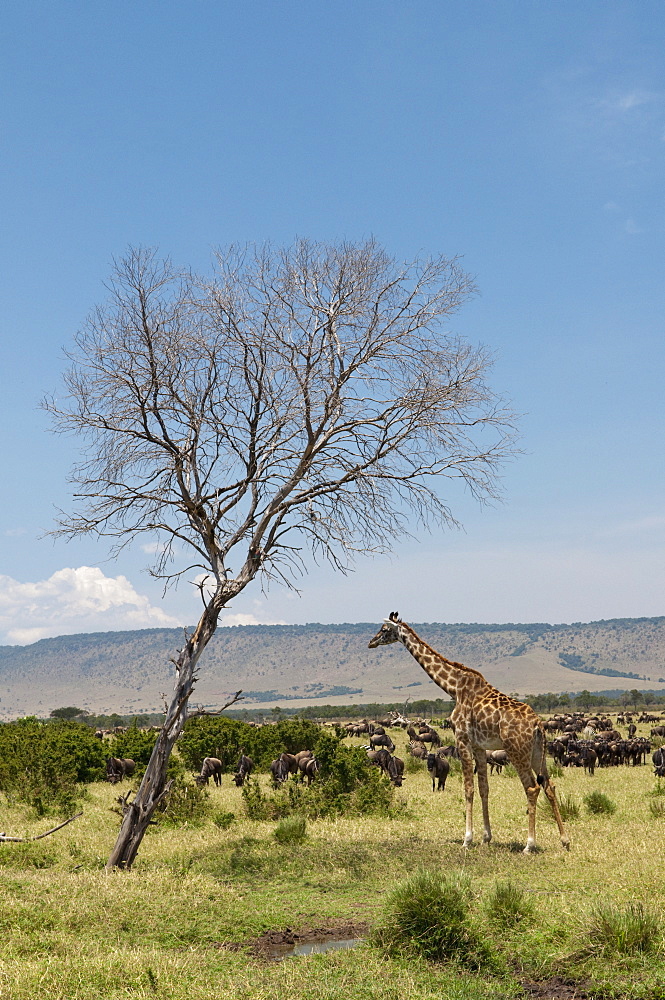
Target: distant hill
298	665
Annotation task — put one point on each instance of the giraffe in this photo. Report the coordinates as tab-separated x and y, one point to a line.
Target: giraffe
483	719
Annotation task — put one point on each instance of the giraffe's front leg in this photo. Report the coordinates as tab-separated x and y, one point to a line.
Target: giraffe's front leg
466	758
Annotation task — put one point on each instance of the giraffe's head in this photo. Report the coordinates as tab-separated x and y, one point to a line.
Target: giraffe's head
387	633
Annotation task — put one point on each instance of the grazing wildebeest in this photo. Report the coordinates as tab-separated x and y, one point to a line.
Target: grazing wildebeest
658	731
393	767
282	767
438	766
279	771
310	769
417	749
382	740
210	768
658	760
497	759
396	771
589	759
243	770
118	768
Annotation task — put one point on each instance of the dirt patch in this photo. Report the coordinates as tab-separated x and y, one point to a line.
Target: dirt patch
274	945
556	988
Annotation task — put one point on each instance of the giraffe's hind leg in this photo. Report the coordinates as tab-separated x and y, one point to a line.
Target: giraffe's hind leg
466	759
532	791
548	785
480	757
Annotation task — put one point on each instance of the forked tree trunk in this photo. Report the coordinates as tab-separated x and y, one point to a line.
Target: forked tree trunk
155	787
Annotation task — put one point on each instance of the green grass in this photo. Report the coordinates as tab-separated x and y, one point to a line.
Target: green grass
200	889
291	830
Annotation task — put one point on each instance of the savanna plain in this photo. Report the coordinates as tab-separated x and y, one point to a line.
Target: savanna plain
185	921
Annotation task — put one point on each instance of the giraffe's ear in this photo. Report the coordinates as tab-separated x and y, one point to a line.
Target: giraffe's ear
393	617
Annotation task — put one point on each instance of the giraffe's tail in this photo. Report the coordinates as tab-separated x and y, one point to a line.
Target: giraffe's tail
539	762
539	757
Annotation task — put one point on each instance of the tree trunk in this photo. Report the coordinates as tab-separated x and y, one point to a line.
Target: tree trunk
154	787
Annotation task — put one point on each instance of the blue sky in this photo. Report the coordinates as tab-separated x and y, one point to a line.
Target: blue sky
528	137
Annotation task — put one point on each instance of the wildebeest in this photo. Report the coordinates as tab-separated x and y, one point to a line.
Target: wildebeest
310	769
282	767
243	770
211	767
382	740
438	766
497	759
393	767
279	771
118	768
417	749
658	760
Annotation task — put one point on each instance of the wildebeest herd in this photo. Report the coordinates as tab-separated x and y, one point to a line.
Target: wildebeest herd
576	740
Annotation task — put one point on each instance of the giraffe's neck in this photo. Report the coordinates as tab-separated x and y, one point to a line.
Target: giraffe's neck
443	672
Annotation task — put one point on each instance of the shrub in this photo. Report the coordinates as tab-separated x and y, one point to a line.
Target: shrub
346	785
137	744
223	819
413	765
627	931
45	763
291	830
659	788
225	738
508	905
599	804
186	804
657	809
429	915
555	770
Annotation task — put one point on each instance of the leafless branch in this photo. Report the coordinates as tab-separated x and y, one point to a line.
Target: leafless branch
4	838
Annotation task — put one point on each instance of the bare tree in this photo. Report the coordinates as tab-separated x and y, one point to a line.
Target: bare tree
301	401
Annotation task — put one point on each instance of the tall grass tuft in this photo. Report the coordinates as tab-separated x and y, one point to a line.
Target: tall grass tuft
430	915
628	931
568	807
508	905
657	808
599	804
291	830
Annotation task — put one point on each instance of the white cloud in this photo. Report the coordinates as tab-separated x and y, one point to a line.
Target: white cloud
74	600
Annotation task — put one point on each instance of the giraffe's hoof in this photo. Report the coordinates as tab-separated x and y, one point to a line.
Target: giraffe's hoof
566	843
529	849
487	838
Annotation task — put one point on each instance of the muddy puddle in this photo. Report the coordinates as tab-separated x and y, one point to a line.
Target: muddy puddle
278	945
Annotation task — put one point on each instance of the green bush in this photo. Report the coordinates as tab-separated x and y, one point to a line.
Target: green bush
599	804
508	905
291	830
223	819
430	915
346	785
185	805
225	738
627	931
657	809
136	744
45	764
